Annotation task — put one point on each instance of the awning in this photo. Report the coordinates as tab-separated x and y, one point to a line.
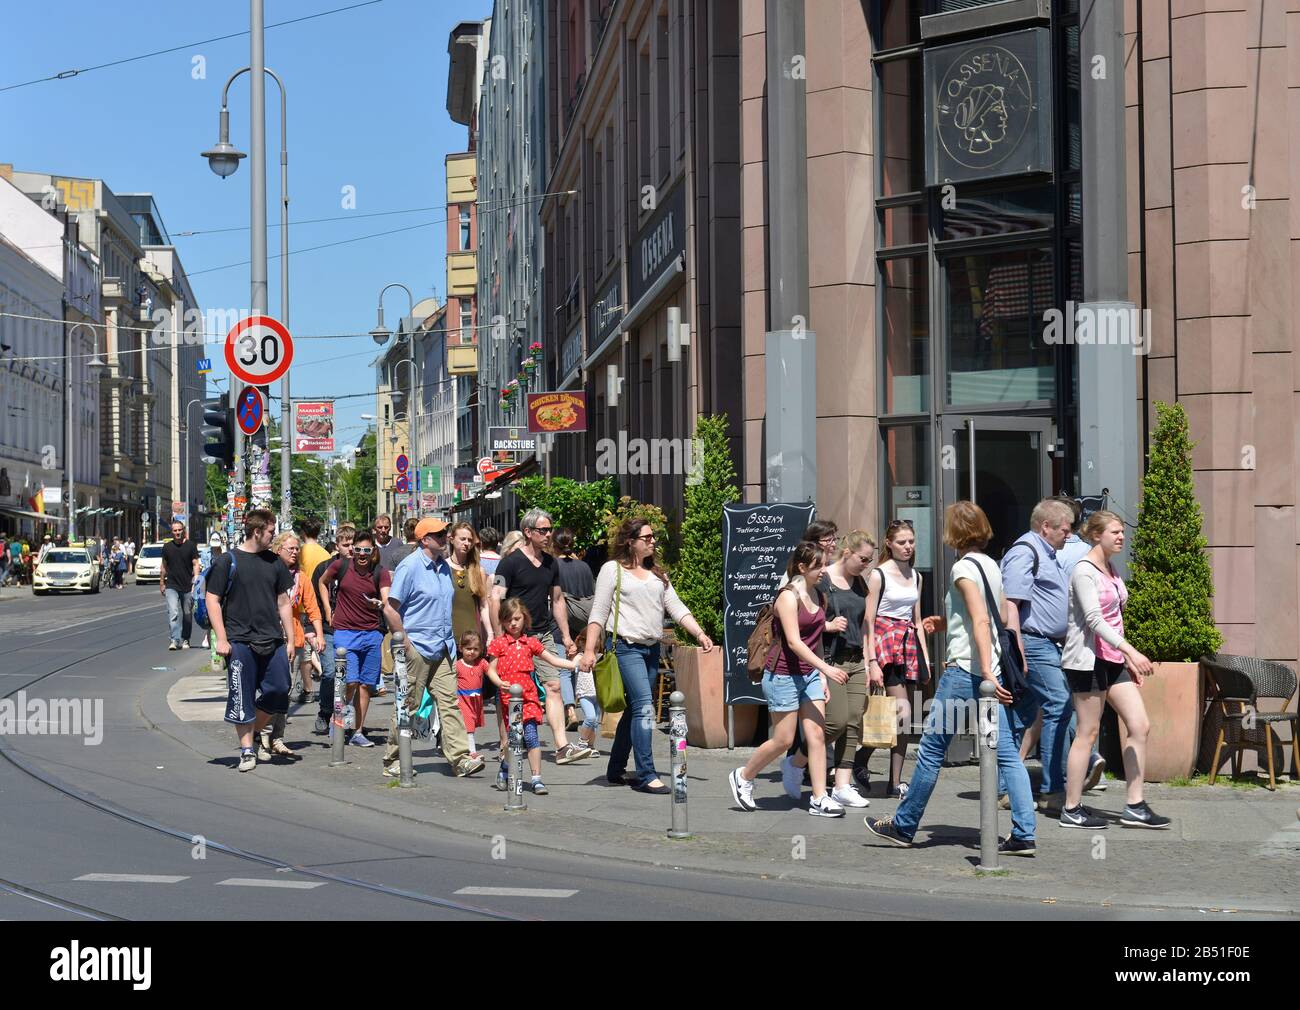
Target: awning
24	514
525	469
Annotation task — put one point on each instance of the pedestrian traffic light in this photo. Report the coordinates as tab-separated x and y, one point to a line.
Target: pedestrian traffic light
219	431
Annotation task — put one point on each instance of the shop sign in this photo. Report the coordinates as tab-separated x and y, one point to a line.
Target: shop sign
658	244
988	111
606	311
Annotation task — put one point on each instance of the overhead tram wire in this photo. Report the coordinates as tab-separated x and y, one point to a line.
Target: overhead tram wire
65	75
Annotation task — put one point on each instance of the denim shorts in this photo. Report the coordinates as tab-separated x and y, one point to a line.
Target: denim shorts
785	692
363	648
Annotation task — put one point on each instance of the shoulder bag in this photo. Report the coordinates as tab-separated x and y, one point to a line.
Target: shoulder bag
609	681
1013	671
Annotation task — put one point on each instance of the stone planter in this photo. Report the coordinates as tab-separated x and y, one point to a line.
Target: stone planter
699	676
1174	695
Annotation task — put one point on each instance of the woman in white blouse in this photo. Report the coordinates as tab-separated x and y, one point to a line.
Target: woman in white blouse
644	595
1101	666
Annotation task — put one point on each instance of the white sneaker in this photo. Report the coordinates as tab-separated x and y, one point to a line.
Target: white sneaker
847	796
742	790
825	807
791	778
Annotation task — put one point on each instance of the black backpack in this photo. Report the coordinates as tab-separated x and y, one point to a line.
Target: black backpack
1032	550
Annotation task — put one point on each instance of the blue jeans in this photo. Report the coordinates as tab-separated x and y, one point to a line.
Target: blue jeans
955	703
327	676
180	614
639	666
1049	692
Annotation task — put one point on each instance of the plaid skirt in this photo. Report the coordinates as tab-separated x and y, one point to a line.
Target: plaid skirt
897	644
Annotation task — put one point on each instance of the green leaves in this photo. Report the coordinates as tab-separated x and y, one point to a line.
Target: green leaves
1169	617
698	575
575	504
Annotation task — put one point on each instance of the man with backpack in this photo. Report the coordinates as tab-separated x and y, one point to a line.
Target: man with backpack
317	566
356	616
251	614
1037	582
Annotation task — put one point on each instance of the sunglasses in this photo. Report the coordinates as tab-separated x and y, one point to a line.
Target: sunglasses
363	550
543	530
648	536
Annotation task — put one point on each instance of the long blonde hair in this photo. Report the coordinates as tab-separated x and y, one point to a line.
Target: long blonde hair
477	580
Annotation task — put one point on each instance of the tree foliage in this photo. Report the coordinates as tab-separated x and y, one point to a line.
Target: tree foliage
1169	617
629	508
698	576
578	505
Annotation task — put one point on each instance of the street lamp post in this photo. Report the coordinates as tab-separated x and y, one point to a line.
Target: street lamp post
224	160
188	457
381	335
96	365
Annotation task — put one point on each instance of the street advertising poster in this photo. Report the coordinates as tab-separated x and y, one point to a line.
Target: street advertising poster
313	426
756	545
553	412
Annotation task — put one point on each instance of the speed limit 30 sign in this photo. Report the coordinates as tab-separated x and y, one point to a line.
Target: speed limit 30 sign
259	350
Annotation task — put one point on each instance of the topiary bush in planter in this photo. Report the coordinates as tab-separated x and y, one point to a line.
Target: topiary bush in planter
1169	616
580	505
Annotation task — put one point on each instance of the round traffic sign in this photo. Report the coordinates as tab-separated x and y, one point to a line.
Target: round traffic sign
250	410
485	465
259	350
403	463
403	485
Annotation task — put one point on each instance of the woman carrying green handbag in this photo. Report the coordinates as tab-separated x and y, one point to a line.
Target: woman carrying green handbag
635	592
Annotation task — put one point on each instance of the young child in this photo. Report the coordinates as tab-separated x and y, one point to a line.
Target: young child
585	693
512	656
470	668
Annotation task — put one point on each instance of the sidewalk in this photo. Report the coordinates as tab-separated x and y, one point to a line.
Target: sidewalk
1230	849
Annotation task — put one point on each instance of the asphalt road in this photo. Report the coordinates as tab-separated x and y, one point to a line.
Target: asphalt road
141	827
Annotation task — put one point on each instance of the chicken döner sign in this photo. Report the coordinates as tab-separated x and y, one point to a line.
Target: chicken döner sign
555	412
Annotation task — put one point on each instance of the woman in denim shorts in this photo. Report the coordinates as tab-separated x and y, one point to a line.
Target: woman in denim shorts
794	681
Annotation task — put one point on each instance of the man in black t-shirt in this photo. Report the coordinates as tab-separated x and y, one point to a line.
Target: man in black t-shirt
533	576
180	567
252	617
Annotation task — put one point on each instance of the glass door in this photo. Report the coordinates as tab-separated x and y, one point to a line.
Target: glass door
1000	463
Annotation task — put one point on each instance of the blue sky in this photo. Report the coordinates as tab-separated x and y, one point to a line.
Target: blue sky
367	108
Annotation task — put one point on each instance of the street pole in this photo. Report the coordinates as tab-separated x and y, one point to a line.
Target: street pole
257	180
71	507
515	781
189	461
988	746
677	741
404	760
338	740
286	445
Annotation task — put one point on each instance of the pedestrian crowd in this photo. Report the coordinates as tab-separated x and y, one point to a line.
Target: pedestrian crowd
479	612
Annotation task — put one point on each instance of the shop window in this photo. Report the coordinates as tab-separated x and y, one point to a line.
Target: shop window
1000	213
996	304
645	149
663	117
906	334
902	126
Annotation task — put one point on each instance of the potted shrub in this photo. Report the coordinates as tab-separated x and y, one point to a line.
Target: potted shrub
1169	616
698	580
579	505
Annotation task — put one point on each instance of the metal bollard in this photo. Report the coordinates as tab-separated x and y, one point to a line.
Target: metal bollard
515	787
677	742
407	778
338	738
988	748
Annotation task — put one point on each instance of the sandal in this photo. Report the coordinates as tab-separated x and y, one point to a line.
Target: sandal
659	790
282	749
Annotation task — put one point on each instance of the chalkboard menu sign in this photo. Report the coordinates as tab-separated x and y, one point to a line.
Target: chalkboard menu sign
756	545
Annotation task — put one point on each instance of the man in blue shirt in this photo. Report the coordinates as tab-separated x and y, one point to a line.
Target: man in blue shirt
419	606
1035	579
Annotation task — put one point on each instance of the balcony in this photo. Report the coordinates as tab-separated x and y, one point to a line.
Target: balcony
462	360
462	274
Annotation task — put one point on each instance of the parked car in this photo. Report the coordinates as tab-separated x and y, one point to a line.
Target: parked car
148	563
65	568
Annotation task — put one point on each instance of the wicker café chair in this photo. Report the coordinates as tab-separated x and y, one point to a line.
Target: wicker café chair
1234	719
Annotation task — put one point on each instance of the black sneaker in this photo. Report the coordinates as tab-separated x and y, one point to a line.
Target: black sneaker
862	776
883	827
1139	815
1082	817
1016	847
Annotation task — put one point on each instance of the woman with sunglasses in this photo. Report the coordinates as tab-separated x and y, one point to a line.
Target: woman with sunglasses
644	595
899	659
845	591
302	597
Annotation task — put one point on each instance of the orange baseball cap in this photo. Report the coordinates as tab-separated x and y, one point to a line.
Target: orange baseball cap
426	526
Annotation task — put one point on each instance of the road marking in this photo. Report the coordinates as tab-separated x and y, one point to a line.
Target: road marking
130	878
516	892
301	885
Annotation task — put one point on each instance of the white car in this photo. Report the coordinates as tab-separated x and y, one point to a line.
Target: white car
148	563
65	568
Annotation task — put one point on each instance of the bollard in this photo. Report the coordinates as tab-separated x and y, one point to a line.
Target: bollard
515	787
407	778
988	748
338	738
677	742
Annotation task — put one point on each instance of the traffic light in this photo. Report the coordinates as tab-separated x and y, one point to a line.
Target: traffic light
219	431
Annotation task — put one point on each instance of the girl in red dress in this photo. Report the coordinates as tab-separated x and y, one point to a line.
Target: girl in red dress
470	669
512	654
